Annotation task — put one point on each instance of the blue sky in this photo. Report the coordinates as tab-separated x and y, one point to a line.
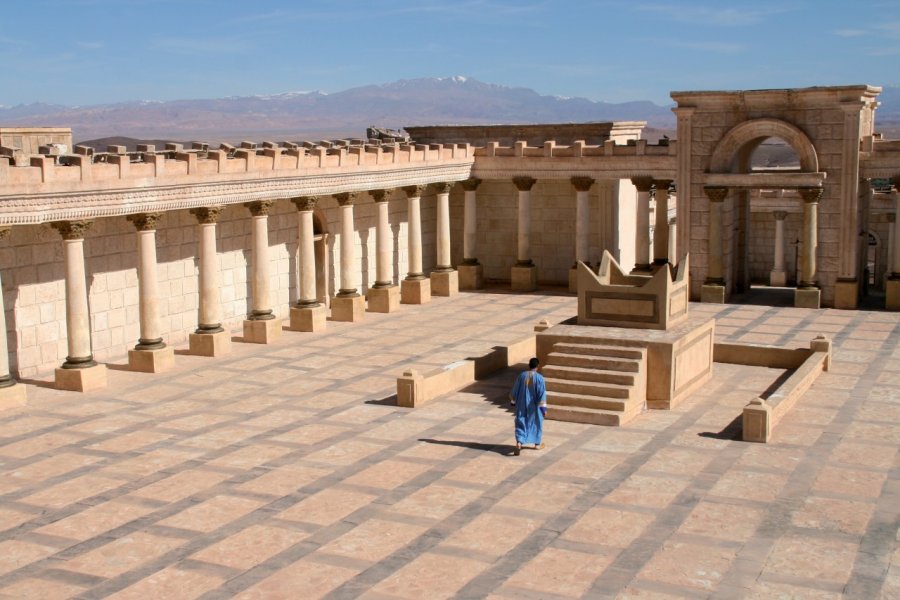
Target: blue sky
79	52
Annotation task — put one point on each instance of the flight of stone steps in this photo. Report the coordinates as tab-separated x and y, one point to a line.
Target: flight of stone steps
601	385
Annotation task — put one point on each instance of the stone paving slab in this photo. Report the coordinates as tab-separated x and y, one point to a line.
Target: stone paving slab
284	471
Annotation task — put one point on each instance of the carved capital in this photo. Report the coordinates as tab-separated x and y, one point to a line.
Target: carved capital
4	231
662	185
305	203
379	195
346	198
810	195
716	194
582	184
207	214
643	184
260	208
780	215
524	183
72	230
414	191
442	187
145	221
471	184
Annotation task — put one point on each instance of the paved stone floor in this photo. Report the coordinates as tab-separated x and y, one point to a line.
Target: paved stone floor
282	472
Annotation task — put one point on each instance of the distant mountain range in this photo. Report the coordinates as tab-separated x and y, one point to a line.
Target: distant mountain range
310	115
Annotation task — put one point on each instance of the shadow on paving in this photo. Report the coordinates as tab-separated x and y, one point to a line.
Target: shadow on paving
504	449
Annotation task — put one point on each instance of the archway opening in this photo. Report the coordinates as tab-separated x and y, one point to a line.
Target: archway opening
774	153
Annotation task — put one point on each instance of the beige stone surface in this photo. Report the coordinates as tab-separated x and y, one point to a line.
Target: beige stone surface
471	277
151	361
210	344
445	283
523	279
262	332
415	291
308	319
88	379
383	300
351	309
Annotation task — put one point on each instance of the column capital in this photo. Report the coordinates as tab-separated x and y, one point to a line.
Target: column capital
810	195
662	185
346	198
305	203
643	184
442	187
471	184
4	231
414	191
72	230
260	208
207	215
523	183
380	195
673	221
779	215
145	221
715	194
582	183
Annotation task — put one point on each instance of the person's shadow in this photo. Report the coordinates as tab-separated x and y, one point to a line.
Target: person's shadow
503	449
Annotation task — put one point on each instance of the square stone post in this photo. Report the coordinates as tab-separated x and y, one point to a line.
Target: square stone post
308	314
444	278
384	296
261	325
778	277
582	187
642	232
12	393
713	289
524	272
471	272
79	373
416	288
210	339
808	294
150	355
348	305
661	254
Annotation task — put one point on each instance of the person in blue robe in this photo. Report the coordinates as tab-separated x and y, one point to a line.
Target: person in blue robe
529	397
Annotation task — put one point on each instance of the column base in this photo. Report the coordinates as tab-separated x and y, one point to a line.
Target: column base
210	344
471	277
808	298
523	279
573	280
445	283
350	309
892	294
383	300
777	278
151	361
81	380
712	294
262	332
12	396
308	319
415	291
846	294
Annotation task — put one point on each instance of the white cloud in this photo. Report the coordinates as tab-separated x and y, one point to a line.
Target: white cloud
704	15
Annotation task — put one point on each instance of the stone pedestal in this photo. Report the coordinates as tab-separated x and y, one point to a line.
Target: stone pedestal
471	277
210	344
846	294
12	396
415	291
713	294
892	294
757	421
444	283
87	379
777	278
308	319
383	300
523	279
262	331
348	308
151	361
808	298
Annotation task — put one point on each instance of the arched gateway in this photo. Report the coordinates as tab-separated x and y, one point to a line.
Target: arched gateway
717	135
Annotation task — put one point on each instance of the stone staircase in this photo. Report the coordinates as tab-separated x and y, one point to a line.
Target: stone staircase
601	385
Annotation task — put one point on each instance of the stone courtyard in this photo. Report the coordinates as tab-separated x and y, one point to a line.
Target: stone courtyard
286	471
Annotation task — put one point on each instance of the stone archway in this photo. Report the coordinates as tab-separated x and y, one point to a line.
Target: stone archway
733	151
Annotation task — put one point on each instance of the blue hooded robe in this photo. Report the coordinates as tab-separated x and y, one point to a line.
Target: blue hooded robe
529	394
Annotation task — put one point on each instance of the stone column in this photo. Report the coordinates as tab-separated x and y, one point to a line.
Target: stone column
661	254
642	226
416	288
150	355
348	305
673	240
12	393
261	326
778	278
79	373
210	339
582	187
713	289
892	285
308	314
471	272
444	278
524	272
384	296
808	294
892	243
